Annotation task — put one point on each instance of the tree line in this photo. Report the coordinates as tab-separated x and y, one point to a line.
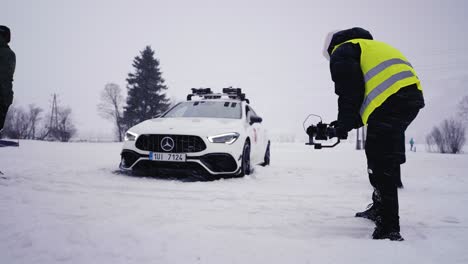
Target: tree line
146	98
30	123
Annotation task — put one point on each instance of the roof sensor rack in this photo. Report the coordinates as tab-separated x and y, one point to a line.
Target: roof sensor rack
230	93
199	92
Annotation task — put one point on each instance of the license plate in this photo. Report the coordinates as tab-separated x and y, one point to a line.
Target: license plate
176	157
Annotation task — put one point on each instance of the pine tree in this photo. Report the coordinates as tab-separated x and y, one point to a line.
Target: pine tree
146	90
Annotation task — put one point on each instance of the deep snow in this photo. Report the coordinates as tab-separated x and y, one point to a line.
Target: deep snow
61	202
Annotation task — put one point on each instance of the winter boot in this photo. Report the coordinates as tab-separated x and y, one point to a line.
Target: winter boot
387	225
371	213
381	232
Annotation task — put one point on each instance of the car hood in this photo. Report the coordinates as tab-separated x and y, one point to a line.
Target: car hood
188	126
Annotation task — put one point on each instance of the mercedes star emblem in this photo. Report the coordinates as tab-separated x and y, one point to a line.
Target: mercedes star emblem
167	144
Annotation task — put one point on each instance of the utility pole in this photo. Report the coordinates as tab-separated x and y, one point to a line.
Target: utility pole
364	133
53	122
358	140
361	138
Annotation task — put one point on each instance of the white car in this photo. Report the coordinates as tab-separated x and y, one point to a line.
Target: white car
208	136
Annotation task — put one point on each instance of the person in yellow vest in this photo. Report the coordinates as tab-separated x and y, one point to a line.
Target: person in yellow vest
378	87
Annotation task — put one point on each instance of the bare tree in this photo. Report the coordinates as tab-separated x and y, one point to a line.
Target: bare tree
8	129
463	108
33	119
16	123
66	129
22	124
45	130
448	138
434	141
111	107
454	133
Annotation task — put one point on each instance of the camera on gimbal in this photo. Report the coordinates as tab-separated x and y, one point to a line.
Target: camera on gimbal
321	131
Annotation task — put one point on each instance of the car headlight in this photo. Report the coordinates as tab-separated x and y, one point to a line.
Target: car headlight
130	136
227	138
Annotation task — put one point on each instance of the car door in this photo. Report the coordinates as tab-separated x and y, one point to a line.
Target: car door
256	134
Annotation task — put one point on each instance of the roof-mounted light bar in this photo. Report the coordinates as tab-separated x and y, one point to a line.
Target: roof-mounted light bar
230	90
235	93
199	92
206	93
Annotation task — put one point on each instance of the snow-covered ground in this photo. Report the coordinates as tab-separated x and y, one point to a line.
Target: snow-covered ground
63	203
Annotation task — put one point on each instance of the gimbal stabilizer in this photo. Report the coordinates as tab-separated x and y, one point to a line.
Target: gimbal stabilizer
321	131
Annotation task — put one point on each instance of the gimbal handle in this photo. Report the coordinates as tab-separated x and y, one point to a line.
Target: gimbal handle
320	146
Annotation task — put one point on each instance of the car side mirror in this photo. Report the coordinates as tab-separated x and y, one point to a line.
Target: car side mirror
255	119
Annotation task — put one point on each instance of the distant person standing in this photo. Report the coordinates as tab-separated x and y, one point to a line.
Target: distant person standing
411	142
7	69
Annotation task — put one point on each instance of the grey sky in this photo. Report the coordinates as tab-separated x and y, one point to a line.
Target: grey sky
272	49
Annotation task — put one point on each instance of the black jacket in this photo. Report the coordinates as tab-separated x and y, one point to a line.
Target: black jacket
7	69
345	69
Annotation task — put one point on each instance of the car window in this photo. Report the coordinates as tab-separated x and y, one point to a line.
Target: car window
249	112
252	111
210	109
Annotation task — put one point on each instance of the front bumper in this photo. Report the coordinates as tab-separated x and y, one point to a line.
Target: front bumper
208	164
202	156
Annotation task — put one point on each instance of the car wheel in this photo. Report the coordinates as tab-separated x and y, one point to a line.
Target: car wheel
245	167
266	160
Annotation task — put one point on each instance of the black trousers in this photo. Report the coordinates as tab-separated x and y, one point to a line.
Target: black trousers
3	113
385	151
6	99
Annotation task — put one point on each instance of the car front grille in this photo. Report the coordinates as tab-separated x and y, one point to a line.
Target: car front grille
182	143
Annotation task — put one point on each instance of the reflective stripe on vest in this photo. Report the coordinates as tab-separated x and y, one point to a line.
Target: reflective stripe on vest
382	66
385	71
383	87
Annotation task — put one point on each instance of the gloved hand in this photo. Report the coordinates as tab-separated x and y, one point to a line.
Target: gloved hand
339	132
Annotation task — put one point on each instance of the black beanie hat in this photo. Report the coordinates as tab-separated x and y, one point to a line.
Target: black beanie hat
5	33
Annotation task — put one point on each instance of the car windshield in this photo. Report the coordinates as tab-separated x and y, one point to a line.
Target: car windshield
210	109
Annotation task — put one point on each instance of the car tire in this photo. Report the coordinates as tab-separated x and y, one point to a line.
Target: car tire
266	159
245	167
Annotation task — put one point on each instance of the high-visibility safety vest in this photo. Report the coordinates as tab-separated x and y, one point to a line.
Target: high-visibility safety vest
385	71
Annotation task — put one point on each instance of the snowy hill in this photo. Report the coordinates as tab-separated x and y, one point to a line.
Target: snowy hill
63	203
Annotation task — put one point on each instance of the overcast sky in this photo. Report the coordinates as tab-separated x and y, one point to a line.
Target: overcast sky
271	49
